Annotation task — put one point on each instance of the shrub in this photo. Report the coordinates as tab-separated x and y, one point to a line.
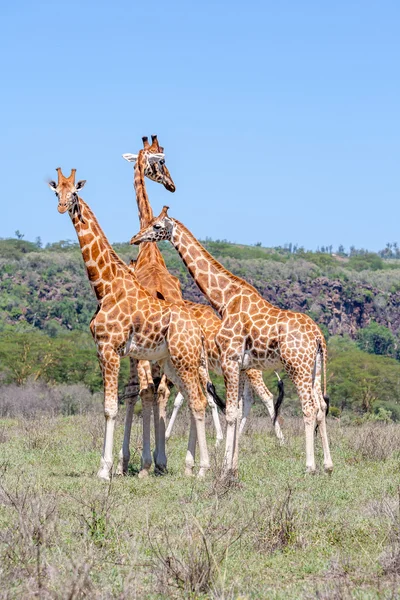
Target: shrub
38	398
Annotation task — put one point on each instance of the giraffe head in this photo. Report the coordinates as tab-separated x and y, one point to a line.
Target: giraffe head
153	160
66	191
161	228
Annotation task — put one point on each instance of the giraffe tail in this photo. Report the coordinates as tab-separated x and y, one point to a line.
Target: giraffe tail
322	350
279	400
217	399
321	353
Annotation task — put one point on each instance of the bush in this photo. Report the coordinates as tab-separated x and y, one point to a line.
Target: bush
376	339
38	399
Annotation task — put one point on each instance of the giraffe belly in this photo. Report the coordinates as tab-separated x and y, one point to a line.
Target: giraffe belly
260	358
145	351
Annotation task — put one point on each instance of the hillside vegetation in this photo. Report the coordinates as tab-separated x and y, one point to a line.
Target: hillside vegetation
46	305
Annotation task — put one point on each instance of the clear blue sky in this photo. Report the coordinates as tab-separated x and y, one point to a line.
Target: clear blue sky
280	120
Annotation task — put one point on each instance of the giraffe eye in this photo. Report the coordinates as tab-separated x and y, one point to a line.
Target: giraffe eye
162	162
157	226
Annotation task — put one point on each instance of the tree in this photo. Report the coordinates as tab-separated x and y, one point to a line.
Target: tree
19	235
358	380
377	339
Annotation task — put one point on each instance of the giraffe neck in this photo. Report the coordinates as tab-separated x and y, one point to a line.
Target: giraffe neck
102	263
145	211
216	282
148	253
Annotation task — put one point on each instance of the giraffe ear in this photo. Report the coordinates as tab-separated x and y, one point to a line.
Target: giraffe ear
53	185
80	184
130	157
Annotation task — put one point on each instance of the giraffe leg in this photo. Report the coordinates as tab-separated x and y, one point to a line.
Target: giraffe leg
215	416
191	451
177	404
235	458
131	396
258	386
321	418
125	453
160	457
182	368
197	402
231	375
205	378
147	397
301	372
155	375
189	383
309	424
110	370
248	400
199	417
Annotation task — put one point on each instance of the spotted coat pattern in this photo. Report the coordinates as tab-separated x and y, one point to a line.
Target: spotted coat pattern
253	334
129	321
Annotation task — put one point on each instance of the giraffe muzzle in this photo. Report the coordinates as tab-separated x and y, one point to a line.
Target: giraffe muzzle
63	207
170	187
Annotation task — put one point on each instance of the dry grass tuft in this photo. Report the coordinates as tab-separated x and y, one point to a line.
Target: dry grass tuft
193	563
378	441
277	527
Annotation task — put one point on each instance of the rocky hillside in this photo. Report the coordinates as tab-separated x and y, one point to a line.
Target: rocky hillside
47	288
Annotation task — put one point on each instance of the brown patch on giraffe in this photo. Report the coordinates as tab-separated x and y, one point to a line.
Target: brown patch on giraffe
93	272
95	250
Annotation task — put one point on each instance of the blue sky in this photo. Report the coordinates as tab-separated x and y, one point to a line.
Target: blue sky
280	120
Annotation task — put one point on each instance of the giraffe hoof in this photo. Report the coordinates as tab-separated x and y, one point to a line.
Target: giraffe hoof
143	474
122	468
160	470
328	469
310	471
202	472
188	471
103	474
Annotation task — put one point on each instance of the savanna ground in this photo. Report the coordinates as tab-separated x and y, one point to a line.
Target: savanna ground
277	534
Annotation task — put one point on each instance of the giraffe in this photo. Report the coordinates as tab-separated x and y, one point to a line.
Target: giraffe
152	273
129	321
253	334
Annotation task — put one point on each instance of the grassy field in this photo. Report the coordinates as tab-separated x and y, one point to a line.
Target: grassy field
277	534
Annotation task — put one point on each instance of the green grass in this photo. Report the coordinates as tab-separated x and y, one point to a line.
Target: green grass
277	534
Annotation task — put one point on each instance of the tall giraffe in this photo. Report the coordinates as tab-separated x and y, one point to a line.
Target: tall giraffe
130	322
152	273
253	334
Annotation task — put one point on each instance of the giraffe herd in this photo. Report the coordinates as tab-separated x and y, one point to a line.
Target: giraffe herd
141	314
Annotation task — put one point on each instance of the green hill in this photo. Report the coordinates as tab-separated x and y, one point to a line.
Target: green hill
46	305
